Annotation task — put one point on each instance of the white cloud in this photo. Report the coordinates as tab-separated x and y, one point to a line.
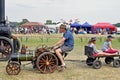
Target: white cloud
24	6
86	10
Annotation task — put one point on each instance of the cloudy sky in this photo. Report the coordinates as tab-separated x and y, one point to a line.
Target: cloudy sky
85	10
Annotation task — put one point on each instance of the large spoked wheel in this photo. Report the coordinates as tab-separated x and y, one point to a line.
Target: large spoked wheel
97	64
116	63
47	62
108	60
89	61
13	68
6	48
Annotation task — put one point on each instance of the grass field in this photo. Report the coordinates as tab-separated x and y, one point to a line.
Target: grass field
76	66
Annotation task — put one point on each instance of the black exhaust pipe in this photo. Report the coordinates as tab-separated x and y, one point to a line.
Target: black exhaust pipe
4	28
2	11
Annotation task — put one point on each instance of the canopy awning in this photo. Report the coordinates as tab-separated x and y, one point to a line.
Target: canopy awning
75	24
86	26
104	26
28	24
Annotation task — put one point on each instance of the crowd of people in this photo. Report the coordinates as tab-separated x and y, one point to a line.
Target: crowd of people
103	31
78	31
25	30
99	31
48	30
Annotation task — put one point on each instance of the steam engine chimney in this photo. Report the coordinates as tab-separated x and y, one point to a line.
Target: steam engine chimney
2	11
4	28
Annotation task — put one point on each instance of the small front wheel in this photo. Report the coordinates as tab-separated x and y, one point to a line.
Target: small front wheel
89	61
13	68
97	64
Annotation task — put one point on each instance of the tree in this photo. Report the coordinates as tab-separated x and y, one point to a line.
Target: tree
48	22
117	25
24	21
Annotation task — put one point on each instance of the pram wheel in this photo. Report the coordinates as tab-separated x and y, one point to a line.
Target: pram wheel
97	64
89	61
108	60
116	63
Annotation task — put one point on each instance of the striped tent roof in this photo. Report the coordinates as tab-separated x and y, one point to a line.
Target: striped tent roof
32	24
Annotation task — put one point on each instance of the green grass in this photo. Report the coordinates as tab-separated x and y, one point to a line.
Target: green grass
76	66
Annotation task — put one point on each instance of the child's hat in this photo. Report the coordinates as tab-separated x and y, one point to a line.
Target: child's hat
110	36
93	39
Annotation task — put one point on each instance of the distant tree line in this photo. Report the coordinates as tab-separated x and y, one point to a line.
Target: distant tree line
117	24
18	24
48	22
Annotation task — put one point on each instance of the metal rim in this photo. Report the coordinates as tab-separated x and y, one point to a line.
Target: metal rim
116	63
89	61
6	48
108	60
47	62
97	64
13	68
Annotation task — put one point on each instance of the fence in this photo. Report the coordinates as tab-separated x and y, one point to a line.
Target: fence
46	37
35	40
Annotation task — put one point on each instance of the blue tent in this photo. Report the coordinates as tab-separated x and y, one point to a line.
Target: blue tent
75	25
87	27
